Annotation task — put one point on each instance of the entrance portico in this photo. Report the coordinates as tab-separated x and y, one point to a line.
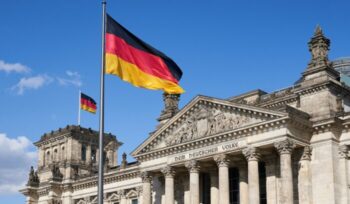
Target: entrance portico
239	177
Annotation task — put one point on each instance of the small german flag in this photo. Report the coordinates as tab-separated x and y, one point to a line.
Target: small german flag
137	62
87	103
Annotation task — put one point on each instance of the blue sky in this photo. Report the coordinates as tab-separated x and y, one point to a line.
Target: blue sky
51	49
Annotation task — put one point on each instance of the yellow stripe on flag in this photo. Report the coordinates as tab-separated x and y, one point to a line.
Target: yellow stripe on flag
132	74
87	108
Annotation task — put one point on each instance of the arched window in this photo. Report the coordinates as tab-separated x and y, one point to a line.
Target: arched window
55	155
63	153
47	159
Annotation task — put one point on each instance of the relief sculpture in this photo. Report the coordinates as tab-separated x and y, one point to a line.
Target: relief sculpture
205	122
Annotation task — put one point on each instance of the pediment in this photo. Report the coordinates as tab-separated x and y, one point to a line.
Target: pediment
114	196
204	117
131	194
81	202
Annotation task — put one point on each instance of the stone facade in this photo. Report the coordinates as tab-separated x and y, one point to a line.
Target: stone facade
286	147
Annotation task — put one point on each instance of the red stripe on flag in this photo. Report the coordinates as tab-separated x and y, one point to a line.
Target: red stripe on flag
148	63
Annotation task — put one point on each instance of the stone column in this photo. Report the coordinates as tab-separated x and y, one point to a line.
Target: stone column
146	187
169	174
285	149
252	156
193	168
214	187
243	183
224	186
271	179
304	178
343	169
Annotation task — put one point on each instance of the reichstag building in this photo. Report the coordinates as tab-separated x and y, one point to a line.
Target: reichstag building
290	146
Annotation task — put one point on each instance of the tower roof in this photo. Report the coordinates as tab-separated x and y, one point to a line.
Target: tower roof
73	131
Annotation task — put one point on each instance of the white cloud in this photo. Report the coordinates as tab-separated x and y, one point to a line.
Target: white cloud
35	82
73	78
16	157
15	67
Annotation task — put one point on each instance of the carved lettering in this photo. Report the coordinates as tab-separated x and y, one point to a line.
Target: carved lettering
203	153
230	146
211	150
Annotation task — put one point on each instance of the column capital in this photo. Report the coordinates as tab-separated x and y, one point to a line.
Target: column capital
168	171
192	166
307	152
251	153
146	177
285	146
222	160
343	151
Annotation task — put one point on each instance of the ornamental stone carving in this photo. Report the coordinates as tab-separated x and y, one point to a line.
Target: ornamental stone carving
343	151
251	154
207	121
319	47
168	171
192	166
222	160
285	146
307	152
146	177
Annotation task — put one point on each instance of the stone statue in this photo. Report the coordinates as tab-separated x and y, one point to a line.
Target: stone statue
171	106
56	173
33	179
124	161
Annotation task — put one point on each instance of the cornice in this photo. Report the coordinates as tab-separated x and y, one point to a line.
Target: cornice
46	187
276	99
109	178
29	190
72	131
327	125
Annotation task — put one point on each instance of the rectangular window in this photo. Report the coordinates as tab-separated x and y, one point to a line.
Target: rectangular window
83	153
134	201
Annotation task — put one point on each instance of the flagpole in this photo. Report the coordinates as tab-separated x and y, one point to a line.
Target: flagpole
79	107
102	90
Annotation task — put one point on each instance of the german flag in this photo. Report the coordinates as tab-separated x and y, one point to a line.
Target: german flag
87	103
137	62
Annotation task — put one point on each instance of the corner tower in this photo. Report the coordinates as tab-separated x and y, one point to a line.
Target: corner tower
73	152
